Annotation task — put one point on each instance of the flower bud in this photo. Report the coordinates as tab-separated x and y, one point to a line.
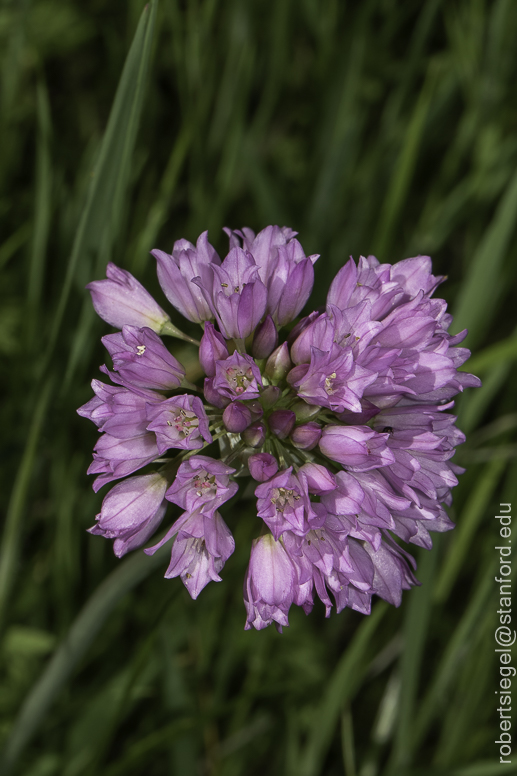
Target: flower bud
213	396
281	423
211	349
319	479
256	409
132	511
262	466
255	434
359	448
122	300
307	436
265	339
278	363
236	417
269	585
270	396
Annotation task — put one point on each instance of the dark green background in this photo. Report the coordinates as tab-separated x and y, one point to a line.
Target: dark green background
370	127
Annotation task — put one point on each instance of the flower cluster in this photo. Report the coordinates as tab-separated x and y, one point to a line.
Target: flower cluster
342	422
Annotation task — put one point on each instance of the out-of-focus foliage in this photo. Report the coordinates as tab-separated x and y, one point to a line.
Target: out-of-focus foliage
374	127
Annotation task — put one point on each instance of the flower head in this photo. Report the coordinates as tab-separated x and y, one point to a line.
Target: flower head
343	425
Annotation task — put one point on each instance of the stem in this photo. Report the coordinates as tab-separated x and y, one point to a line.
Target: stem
280	452
235	452
170	330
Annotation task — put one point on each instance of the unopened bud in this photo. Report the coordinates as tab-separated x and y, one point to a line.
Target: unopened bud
255	407
262	466
211	349
281	423
265	339
270	396
255	434
306	437
278	364
212	396
236	417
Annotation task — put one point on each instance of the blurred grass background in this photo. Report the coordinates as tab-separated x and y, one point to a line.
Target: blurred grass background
375	127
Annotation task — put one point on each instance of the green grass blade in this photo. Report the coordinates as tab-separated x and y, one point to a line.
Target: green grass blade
473	407
102	212
42	214
82	633
480	293
10	549
13	243
454	653
158	212
503	351
468	522
403	170
342	687
415	629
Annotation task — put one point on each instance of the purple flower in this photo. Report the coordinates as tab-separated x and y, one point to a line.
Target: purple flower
327	560
176	272
122	300
269	584
237	377
118	410
179	422
356	447
141	358
202	484
203	545
332	380
392	573
111	401
283	268
343	424
115	458
284	504
213	396
235	294
131	512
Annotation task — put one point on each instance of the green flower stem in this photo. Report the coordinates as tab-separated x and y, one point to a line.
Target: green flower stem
168	329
